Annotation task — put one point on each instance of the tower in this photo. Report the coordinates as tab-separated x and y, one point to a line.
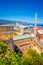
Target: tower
35	19
35	25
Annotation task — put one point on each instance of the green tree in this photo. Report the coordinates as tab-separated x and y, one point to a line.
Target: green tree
4	50
36	57
8	57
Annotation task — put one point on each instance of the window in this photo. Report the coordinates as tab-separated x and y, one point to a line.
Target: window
24	44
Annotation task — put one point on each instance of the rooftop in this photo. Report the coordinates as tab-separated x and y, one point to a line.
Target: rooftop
22	36
40	31
7	25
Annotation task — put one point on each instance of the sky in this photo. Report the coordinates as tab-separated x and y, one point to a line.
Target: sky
21	10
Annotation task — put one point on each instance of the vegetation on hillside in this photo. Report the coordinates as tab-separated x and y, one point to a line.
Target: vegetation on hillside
12	58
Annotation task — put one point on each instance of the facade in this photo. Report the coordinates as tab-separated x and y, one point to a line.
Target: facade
27	41
6	32
39	39
35	29
10	44
6	28
40	34
23	42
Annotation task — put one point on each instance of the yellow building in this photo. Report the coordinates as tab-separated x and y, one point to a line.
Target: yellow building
6	31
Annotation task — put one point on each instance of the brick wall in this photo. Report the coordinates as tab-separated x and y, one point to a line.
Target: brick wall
24	44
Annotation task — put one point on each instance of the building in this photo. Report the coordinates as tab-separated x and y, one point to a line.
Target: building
23	42
6	28
6	31
40	34
35	29
39	39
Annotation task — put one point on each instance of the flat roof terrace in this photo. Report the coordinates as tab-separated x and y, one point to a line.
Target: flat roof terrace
18	37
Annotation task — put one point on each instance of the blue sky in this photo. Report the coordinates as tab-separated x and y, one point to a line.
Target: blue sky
21	10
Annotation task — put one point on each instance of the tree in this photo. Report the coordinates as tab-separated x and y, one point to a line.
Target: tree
4	50
36	57
8	57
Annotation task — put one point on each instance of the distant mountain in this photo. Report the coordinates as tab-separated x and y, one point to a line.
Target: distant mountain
2	21
14	22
